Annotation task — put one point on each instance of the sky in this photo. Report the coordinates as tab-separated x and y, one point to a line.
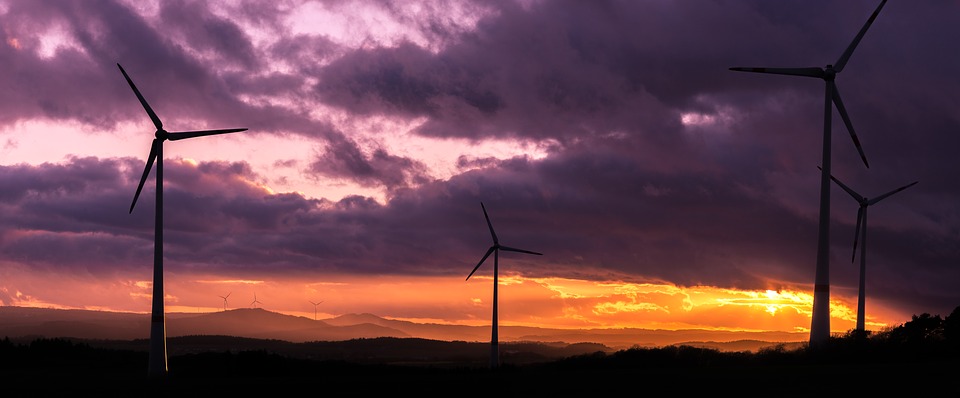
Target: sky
663	189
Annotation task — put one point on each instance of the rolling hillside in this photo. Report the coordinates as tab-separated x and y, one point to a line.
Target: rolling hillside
258	323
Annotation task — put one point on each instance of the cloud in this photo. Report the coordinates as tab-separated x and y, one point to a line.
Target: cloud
660	163
344	159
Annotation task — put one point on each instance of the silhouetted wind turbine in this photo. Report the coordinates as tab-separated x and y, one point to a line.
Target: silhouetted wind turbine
861	233
315	309
158	333
820	322
225	300
255	302
495	249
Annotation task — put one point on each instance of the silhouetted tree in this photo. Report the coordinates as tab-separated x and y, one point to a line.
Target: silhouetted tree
923	328
951	328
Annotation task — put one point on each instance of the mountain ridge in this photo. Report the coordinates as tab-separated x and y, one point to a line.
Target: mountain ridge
264	324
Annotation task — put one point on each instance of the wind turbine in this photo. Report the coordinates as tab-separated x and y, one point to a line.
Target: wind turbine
158	333
225	300
861	233
495	249
315	309
820	322
255	302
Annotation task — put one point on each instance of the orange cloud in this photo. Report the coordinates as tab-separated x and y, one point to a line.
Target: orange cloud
543	302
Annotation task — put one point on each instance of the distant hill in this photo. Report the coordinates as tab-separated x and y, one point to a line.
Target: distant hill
616	338
257	323
743	345
921	356
23	321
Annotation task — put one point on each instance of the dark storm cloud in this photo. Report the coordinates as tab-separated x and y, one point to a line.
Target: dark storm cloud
729	203
560	70
190	64
307	53
216	219
213	211
84	84
208	33
627	190
464	162
407	80
54	213
21	181
343	159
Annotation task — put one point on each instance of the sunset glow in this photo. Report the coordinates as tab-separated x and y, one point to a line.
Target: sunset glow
663	190
544	302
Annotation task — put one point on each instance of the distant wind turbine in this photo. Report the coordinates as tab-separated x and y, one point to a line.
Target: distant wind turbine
860	234
158	333
255	302
225	300
315	309
495	249
820	322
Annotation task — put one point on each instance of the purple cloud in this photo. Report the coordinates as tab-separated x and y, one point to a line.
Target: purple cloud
661	163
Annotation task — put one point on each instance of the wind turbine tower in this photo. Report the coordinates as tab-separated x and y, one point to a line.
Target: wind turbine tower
860	234
315	309
495	250
225	300
158	334
820	322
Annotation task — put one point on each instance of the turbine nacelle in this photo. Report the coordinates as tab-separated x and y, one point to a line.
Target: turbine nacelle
496	247
495	250
829	74
820	324
161	135
860	233
864	203
158	345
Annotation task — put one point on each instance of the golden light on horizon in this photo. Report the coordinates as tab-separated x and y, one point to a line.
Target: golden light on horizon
537	302
550	302
771	301
614	303
231	281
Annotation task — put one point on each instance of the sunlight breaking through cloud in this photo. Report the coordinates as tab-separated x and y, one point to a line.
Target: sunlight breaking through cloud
376	127
619	303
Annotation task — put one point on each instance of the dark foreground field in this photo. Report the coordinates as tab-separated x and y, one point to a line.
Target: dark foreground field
921	357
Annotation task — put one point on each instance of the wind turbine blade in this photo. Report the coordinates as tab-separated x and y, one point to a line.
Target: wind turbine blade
856	232
884	196
855	195
856	40
228	294
493	234
510	249
808	72
846	120
146	106
146	171
190	134
490	250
